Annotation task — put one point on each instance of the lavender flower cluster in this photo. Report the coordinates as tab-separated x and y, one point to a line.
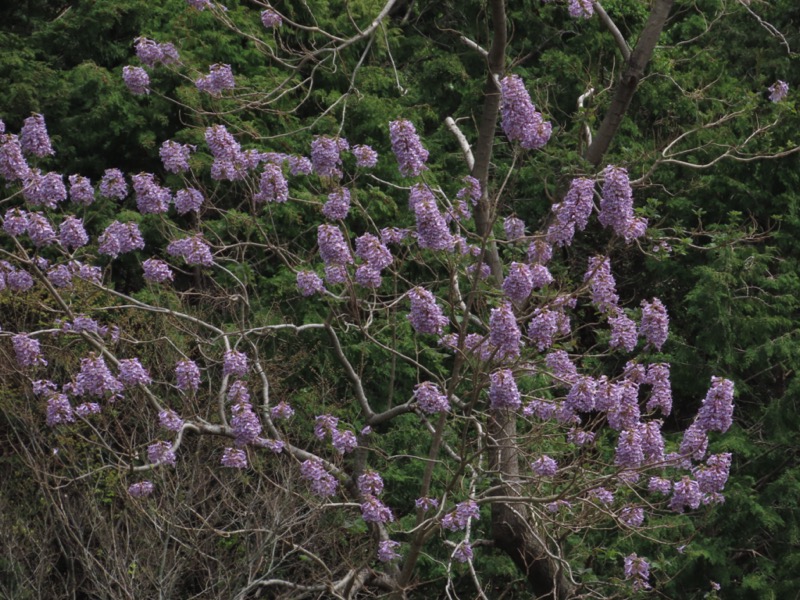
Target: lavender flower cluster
219	79
407	147
520	120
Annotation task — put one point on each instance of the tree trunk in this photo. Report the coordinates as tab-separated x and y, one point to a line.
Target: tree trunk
626	87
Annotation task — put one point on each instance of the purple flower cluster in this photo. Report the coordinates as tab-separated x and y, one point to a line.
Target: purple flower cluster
157	271
39	230
281	411
661	394
458	519
504	334
573	212
343	440
463	552
161	453
44	190
219	78
514	228
81	190
187	375
325	155
194	250
15	222
33	137
716	413
637	569
175	156
142	489
519	283
561	367
338	204
273	186
309	283
151	52
655	323
151	198
113	184
27	351
95	379
386	550
235	363
119	238
632	516
432	229
521	121
430	398
623	331
370	483
136	79
72	235
426	315
629	452
581	9
59	410
581	396
714	474
603	285
503	392
13	166
131	373
188	200
411	155
425	503
544	466
322	483
778	91
375	511
546	325
332	246
685	492
652	441
244	424
169	419
234	458
300	165
616	205
366	157
270	19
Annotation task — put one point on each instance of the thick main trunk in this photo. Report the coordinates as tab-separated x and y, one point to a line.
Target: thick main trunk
513	529
484	212
626	87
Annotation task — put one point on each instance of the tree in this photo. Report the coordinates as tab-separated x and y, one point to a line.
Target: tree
407	387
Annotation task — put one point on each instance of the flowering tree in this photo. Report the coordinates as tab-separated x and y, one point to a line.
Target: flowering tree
483	367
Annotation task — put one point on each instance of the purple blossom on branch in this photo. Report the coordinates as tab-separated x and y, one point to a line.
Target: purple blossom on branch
386	550
142	489
194	250
136	79
80	190
33	137
219	78
521	121
187	374
778	91
119	238
157	271
407	147
113	184
426	316
270	19
430	398
27	351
